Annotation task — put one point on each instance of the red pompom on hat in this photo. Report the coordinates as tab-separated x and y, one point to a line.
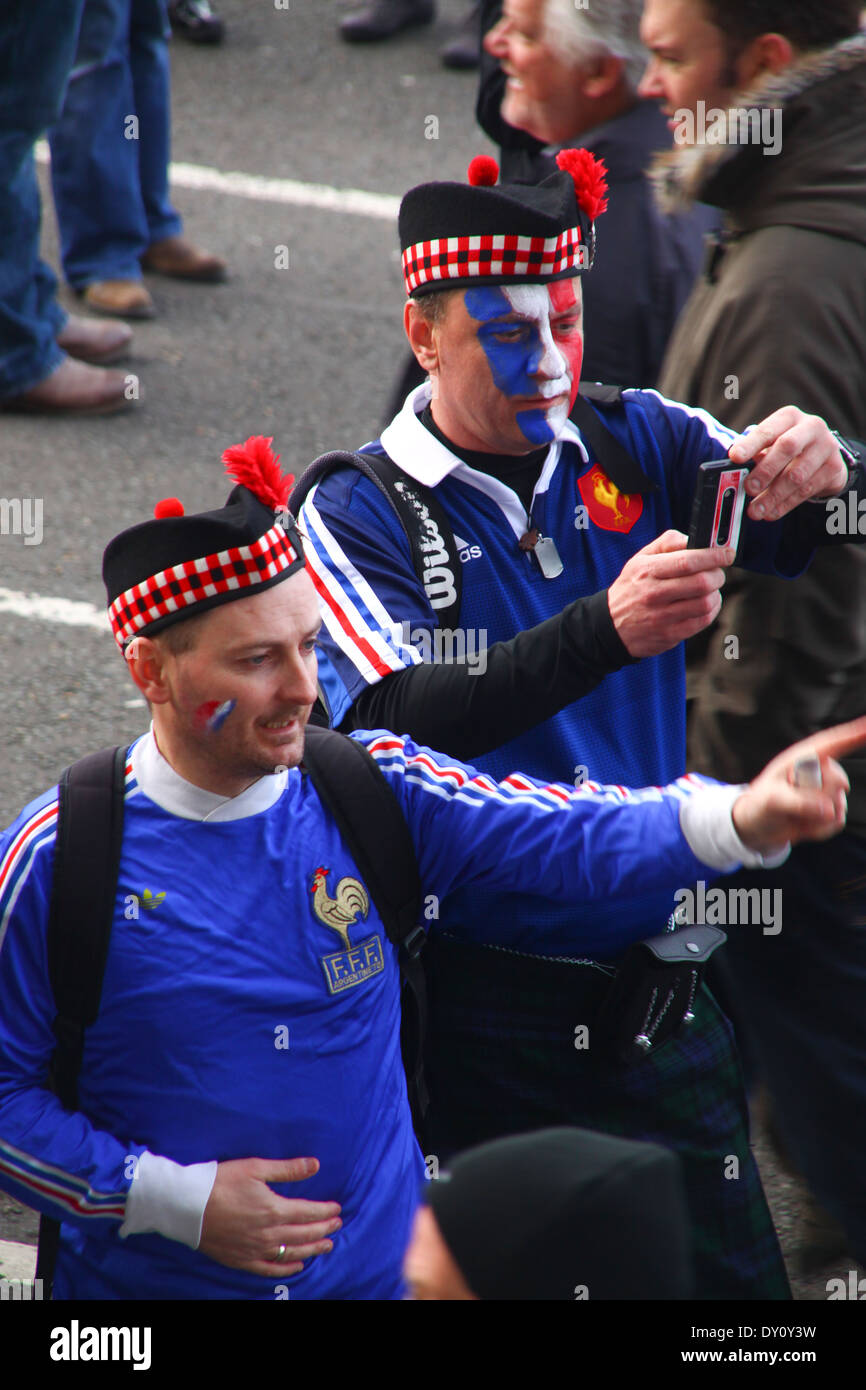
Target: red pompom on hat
254	465
484	232
590	183
175	566
483	171
168	506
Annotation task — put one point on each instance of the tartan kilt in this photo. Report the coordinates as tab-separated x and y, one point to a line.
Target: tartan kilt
503	1057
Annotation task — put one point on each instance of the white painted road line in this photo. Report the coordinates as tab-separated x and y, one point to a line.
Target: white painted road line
309	195
17	1261
53	610
266	190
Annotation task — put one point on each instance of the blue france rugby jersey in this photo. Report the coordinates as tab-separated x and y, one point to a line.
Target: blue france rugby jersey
237	1022
631	729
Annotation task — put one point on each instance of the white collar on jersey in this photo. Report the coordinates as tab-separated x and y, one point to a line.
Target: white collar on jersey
420	454
160	783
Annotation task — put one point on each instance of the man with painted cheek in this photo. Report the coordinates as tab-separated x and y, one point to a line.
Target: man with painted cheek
536	359
506	362
568	515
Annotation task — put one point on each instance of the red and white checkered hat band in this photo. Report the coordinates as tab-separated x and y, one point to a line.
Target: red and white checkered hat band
184	585
459	257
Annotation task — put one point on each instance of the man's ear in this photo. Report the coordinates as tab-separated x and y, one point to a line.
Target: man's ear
601	76
146	661
765	55
422	337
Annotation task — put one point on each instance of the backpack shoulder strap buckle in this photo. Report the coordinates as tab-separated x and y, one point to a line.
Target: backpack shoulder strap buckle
413	944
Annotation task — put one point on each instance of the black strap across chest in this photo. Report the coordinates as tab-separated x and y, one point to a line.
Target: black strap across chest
428	530
84	890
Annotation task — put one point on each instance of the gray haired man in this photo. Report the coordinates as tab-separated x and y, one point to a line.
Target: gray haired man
555	75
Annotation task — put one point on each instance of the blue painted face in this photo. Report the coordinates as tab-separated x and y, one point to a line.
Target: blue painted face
514	361
524	358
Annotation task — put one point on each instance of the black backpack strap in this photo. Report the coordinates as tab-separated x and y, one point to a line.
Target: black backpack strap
617	462
81	914
428	530
372	823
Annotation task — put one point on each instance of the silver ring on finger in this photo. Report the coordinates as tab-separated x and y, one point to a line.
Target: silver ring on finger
281	1253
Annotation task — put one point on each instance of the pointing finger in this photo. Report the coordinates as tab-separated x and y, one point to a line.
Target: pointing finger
835	742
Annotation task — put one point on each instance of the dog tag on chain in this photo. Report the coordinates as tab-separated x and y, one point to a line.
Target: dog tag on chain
548	557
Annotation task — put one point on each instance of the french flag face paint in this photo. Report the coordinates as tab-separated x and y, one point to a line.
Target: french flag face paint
213	714
533	341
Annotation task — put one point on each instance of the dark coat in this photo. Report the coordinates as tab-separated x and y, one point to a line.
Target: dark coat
647	260
780	318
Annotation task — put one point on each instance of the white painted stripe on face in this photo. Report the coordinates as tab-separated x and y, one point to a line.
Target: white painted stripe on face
257	188
533	302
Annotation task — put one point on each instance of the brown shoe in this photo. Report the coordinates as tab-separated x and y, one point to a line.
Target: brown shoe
128	299
75	388
95	342
174	255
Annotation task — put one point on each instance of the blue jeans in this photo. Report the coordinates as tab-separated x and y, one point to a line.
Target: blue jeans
37	46
110	147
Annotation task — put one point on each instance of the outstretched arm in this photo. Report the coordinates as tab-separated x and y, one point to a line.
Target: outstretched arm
595	842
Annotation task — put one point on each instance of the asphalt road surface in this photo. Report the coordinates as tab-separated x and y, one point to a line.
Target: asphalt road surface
305	352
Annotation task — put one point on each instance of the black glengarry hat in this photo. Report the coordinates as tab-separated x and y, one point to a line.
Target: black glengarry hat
175	566
564	1214
457	235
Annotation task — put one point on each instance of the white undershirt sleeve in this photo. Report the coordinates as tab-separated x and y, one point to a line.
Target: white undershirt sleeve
707	822
168	1198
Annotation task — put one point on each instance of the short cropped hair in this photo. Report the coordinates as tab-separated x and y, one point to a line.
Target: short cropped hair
180	637
804	23
433	306
612	27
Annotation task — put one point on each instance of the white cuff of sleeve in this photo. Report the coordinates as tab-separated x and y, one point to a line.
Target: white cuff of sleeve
168	1198
708	825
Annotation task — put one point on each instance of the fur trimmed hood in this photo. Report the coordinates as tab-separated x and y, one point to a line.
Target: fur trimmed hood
820	104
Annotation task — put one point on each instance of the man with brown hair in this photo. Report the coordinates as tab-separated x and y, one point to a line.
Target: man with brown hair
777	90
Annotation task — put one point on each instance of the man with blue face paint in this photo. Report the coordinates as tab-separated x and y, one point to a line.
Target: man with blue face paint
574	566
533	354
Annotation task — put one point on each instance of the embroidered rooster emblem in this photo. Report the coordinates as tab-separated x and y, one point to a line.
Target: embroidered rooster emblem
608	494
609	508
338	913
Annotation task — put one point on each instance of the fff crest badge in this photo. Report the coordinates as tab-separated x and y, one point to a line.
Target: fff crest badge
355	964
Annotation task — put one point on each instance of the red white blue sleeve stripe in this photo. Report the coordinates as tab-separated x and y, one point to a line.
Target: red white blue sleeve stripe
356	618
50	1159
44	1186
581	844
